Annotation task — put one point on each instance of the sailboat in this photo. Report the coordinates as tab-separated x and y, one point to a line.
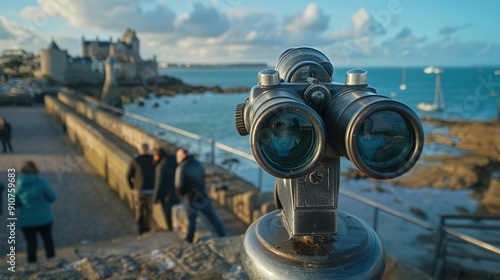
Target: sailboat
438	104
402	86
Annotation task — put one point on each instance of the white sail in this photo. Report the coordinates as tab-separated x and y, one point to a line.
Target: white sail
438	104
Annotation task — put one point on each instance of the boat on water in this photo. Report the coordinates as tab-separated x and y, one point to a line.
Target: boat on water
402	86
438	104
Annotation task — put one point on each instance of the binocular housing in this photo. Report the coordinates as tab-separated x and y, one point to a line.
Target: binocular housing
300	124
296	112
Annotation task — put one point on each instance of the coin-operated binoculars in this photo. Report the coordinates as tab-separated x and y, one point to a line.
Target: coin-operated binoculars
300	123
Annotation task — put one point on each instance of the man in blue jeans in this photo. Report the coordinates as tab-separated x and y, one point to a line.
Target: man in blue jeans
190	185
141	179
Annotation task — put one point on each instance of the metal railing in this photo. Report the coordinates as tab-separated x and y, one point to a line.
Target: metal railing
444	232
447	235
377	207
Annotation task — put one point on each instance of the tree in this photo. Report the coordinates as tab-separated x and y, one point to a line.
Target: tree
13	64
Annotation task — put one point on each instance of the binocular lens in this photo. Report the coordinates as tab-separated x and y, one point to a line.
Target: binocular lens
382	137
384	140
288	140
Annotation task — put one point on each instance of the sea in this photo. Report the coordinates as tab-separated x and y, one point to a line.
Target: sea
471	93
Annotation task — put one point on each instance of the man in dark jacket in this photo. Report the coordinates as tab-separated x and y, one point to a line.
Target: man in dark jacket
164	192
190	185
141	179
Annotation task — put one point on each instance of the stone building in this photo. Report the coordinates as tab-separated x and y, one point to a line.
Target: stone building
54	62
89	68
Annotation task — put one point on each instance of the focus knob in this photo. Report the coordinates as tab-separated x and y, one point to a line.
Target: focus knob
239	119
356	77
269	78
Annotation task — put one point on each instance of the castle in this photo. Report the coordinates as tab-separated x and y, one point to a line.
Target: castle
89	67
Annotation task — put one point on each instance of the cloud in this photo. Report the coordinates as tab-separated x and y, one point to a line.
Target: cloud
457	49
312	19
114	15
448	30
252	35
18	35
253	27
4	32
365	28
366	25
202	22
404	37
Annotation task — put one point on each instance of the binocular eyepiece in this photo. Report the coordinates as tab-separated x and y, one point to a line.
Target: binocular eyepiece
297	113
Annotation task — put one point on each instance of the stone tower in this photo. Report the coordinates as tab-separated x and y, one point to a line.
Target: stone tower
54	62
110	91
130	38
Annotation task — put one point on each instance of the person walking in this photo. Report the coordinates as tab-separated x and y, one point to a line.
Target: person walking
141	179
190	185
33	197
164	192
5	135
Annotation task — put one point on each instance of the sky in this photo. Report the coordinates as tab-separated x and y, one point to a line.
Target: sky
396	33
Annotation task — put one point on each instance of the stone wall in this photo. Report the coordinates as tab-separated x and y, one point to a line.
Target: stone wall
91	129
127	71
85	77
108	160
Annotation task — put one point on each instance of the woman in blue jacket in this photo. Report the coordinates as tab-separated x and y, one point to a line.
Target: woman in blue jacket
34	215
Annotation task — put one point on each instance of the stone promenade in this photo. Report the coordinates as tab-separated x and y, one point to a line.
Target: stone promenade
86	209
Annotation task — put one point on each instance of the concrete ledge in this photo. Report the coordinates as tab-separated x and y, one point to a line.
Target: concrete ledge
245	204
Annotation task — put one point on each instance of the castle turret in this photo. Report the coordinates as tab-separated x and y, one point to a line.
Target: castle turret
54	62
130	38
84	51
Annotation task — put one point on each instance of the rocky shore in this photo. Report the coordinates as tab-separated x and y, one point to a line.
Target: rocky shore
159	86
475	166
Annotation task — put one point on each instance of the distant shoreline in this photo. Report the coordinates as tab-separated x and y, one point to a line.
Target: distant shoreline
166	66
188	66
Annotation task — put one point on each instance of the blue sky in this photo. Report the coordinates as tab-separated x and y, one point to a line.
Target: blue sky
350	33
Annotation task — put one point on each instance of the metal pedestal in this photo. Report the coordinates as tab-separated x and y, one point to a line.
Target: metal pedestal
355	252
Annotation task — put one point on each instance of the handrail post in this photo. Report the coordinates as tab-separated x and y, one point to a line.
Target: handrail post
212	151
375	219
199	148
438	262
259	183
